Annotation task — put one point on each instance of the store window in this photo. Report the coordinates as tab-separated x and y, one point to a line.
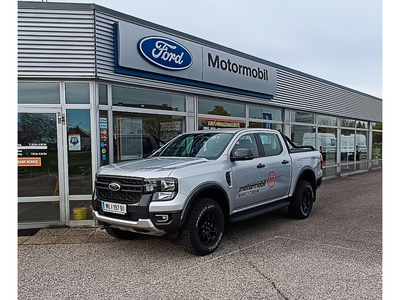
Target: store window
79	152
303	135
130	97
38	93
326	121
376	126
347	146
362	150
216	123
221	108
77	93
348	123
303	117
265	113
37	155
267	125
362	124
103	98
326	143
137	136
376	145
29	212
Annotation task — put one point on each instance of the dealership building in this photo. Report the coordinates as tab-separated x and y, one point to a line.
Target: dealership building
97	86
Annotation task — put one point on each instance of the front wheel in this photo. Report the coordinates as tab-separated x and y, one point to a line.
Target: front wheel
302	201
202	232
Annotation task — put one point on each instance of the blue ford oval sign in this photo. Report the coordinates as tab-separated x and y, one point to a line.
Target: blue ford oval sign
165	53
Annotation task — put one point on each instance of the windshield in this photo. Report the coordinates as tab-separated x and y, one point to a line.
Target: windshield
208	145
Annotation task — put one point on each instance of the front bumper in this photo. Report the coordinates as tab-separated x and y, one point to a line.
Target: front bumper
144	226
139	218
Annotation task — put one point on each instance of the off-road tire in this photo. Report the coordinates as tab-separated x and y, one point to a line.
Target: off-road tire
302	201
121	234
204	227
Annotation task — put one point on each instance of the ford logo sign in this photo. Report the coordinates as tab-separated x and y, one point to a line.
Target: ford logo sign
113	186
165	53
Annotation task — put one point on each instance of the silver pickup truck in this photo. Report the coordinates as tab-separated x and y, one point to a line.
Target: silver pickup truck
199	182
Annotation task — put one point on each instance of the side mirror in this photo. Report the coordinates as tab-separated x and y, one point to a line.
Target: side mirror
242	154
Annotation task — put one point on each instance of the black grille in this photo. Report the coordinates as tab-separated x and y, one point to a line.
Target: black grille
131	189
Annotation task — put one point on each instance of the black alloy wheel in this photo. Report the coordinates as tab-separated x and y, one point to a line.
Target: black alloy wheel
208	228
302	201
307	200
204	227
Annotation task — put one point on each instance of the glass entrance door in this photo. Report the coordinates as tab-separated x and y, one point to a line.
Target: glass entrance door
40	180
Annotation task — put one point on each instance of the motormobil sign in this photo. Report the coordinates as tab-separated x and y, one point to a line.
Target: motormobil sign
141	49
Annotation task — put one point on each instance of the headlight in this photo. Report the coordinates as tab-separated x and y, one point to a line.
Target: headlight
161	188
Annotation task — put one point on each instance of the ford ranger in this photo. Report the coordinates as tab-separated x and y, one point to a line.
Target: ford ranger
199	182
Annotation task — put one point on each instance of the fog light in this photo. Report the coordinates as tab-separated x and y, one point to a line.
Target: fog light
162	218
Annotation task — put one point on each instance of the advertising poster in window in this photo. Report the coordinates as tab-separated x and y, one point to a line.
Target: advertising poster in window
74	142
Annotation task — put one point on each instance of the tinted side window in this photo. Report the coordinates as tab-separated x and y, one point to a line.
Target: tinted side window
271	144
247	141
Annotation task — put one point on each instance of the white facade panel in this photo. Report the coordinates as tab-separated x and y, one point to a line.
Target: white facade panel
57	43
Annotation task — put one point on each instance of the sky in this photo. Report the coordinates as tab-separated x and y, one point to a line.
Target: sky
339	41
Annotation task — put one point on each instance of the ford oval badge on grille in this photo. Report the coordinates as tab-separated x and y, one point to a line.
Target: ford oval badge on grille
113	186
165	53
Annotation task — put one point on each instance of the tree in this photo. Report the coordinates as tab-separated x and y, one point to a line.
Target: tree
219	110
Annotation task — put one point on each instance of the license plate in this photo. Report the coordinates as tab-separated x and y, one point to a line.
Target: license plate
114	208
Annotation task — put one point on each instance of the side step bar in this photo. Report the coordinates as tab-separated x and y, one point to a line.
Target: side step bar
260	210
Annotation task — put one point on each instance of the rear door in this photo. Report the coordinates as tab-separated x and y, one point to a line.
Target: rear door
277	166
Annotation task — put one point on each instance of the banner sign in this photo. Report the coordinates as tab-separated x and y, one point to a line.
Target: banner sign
139	49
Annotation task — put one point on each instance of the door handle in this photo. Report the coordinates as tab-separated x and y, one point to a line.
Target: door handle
285	162
260	165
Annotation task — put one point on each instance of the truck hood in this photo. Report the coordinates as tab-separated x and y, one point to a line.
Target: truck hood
152	167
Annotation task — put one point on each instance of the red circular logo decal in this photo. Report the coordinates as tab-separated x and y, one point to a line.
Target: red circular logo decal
271	179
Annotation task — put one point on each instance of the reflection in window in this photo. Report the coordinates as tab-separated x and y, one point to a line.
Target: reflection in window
38	93
348	123
265	125
271	144
77	93
247	141
211	123
79	152
303	117
37	155
137	136
103	98
38	212
266	113
376	145
303	135
327	121
362	124
377	126
347	146
207	144
326	144
361	145
221	108
147	99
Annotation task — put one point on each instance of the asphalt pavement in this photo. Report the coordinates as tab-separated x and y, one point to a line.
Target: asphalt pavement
334	254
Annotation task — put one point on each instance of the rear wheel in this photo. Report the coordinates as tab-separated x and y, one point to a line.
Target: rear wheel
202	232
121	234
302	201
